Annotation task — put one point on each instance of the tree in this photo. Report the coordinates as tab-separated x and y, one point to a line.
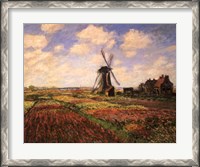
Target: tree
32	88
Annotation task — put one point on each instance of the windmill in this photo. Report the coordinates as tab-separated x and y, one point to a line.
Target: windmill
102	82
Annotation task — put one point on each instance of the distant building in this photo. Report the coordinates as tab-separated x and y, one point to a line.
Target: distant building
161	86
128	91
164	85
149	86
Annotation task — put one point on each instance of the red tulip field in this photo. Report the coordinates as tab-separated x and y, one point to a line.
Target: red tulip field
70	116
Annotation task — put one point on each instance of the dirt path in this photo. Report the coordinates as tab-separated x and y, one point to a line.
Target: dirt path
156	104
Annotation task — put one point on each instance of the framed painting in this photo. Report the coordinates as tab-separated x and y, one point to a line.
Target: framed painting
100	83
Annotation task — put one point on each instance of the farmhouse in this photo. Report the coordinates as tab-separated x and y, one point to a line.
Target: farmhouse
164	85
161	86
149	86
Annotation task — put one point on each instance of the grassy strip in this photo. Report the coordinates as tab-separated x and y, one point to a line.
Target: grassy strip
28	110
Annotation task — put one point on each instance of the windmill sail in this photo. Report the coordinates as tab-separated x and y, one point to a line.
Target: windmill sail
115	78
104	57
110	60
96	80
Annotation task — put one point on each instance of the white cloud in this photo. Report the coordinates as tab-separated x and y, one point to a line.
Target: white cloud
121	73
110	44
91	38
79	49
160	62
58	48
96	35
33	58
51	28
96	59
35	41
161	66
133	41
170	48
117	62
141	72
44	69
163	50
130	53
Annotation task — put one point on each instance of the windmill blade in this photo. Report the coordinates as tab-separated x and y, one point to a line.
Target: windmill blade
110	59
96	80
98	85
104	57
115	78
100	82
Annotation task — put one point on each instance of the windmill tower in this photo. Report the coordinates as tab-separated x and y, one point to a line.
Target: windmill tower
102	82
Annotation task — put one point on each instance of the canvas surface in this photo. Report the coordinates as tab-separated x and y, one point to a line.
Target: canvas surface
99	83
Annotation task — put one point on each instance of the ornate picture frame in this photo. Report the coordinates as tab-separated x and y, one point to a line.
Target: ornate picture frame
6	5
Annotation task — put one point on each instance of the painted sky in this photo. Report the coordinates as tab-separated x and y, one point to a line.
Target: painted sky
68	55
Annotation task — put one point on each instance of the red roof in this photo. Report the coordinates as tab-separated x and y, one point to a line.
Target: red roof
160	81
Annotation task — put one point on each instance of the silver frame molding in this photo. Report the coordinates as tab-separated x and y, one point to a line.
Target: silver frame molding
5	161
